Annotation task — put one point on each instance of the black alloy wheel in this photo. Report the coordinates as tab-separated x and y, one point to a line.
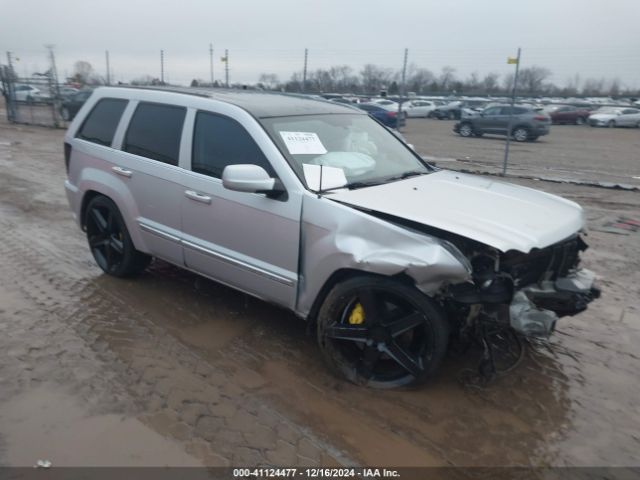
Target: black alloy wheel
381	333
109	240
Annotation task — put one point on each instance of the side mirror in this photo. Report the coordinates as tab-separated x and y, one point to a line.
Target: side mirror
250	178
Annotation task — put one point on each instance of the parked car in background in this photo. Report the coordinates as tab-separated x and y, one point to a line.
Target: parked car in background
455	110
387	104
526	123
613	117
27	93
419	108
563	114
387	117
629	120
73	103
66	91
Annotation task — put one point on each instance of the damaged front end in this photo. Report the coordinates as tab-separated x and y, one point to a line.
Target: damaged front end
528	292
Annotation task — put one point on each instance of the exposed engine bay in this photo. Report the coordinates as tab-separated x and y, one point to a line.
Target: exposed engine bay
526	291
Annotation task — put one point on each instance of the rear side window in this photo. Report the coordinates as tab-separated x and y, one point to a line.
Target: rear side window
220	141
154	132
101	123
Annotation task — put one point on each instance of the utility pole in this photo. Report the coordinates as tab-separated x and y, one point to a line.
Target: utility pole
226	68
54	85
211	62
304	71
12	77
161	67
9	63
106	53
513	100
402	89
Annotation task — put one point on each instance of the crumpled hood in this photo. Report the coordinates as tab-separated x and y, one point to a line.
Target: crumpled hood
504	216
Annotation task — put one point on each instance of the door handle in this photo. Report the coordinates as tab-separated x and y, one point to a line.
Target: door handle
122	171
198	197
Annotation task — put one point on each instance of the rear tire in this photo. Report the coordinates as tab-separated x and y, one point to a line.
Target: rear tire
109	240
520	134
379	332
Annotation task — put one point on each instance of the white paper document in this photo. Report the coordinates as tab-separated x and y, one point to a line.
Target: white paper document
305	143
332	177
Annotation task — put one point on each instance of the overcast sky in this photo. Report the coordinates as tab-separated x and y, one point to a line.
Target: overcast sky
594	38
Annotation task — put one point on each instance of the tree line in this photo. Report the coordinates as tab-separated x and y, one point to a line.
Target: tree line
372	79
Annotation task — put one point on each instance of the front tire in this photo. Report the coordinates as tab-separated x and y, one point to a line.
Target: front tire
466	130
378	332
109	240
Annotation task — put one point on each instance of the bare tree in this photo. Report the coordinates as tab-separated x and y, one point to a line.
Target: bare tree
269	81
593	86
447	77
531	79
419	80
82	72
374	78
490	83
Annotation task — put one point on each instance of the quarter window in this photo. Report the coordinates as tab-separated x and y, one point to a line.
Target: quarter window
220	141
102	121
155	131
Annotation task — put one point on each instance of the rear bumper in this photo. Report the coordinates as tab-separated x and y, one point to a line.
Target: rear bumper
72	197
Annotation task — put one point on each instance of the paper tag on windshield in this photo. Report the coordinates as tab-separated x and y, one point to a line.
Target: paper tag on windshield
305	143
332	177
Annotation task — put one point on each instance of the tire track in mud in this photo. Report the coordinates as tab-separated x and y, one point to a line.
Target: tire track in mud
146	371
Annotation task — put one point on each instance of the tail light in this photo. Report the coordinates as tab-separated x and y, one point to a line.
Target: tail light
67	155
392	114
540	118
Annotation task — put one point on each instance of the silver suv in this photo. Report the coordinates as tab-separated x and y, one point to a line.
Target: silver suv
317	207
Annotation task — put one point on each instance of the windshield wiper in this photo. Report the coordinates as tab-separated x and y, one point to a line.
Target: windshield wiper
410	173
353	186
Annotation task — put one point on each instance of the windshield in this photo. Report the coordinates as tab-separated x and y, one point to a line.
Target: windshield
354	150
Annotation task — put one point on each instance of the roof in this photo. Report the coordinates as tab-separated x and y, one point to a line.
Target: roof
262	104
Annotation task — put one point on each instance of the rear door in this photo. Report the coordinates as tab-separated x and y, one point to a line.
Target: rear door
246	240
148	162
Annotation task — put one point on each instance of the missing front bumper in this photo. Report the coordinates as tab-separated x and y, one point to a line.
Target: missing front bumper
534	310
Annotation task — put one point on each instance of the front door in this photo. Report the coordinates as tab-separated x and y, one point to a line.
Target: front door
245	240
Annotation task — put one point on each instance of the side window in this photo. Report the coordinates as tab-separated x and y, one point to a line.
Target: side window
101	123
492	111
220	141
154	132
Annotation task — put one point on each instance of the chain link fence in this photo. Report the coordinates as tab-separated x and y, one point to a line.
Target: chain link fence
36	100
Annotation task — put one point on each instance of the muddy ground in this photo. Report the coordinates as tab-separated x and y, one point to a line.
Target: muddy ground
173	369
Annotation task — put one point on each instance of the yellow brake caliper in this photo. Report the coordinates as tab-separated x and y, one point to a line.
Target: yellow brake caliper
357	315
